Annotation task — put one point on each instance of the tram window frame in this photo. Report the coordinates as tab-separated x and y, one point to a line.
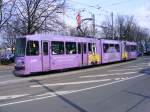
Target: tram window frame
133	48
104	49
60	48
94	49
71	50
45	48
85	48
79	48
117	47
111	45
34	48
89	47
128	48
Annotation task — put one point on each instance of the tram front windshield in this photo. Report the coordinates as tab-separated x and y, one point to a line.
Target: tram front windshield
20	46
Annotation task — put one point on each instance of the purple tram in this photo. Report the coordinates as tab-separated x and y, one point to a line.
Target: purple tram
43	52
129	50
111	50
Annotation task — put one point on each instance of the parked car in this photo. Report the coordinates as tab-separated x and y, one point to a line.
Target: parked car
6	58
139	54
12	58
147	53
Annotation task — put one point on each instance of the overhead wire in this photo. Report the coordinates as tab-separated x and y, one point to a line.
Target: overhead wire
119	2
85	4
103	12
97	7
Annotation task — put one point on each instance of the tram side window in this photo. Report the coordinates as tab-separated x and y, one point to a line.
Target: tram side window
136	48
90	47
133	48
117	47
111	45
71	48
94	48
128	47
57	47
84	48
32	48
45	48
79	48
105	47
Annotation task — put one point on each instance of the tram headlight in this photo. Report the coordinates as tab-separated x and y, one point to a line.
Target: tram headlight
22	63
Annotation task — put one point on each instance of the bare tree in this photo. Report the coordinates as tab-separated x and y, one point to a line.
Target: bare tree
126	28
86	31
6	9
107	28
37	15
120	26
129	28
9	37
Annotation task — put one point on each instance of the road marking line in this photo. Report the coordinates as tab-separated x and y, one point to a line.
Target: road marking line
117	78
144	63
126	69
5	76
141	64
11	81
6	70
52	93
70	83
93	87
134	66
104	75
138	66
12	96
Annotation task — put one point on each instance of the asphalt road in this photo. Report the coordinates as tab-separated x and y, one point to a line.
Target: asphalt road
121	87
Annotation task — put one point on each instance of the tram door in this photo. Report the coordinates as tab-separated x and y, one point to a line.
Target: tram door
81	52
84	54
45	56
93	55
124	51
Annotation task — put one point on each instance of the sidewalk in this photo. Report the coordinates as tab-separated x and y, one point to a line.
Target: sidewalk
7	67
